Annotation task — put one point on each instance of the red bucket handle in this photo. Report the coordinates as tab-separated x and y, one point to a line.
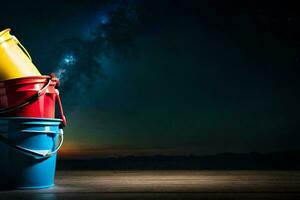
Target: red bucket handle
29	99
61	110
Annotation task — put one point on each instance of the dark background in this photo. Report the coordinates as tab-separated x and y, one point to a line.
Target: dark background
168	77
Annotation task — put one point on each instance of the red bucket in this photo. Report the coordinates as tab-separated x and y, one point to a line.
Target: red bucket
33	96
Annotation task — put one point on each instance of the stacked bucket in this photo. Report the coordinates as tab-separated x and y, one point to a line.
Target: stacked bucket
30	135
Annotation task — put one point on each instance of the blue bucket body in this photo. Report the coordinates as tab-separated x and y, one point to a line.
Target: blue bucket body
22	170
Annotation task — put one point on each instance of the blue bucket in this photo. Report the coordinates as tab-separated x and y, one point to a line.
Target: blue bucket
28	149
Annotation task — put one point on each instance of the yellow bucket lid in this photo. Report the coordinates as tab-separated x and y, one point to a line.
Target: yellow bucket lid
5	35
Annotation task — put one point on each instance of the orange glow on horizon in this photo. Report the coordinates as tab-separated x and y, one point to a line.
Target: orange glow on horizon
72	151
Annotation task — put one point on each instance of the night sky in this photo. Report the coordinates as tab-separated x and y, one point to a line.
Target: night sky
168	77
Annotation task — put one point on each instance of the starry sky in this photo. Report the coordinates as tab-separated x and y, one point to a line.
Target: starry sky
168	77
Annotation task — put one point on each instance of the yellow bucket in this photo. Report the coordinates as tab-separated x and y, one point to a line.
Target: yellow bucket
15	61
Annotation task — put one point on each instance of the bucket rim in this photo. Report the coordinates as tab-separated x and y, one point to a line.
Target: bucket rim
32	119
5	31
29	77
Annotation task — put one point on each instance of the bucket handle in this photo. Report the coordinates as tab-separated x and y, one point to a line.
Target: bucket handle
29	99
61	110
19	44
34	153
22	47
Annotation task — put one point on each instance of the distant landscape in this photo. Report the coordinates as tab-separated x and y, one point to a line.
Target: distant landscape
285	160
